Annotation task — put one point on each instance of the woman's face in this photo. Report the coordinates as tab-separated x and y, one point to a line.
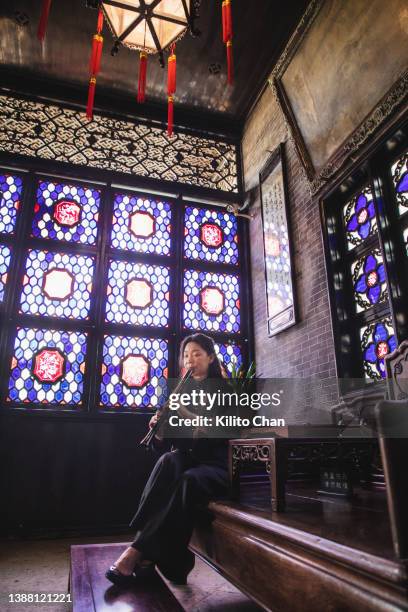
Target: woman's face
197	359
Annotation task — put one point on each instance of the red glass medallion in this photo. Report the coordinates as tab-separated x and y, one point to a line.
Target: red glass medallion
212	300
362	216
138	293
372	278
67	213
58	284
49	365
382	350
211	235
135	371
142	224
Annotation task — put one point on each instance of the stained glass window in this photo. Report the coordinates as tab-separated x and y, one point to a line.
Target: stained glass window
210	235
57	285
142	225
66	212
229	355
359	218
369	281
366	239
399	174
74	280
11	188
377	341
138	294
47	366
211	301
5	254
134	372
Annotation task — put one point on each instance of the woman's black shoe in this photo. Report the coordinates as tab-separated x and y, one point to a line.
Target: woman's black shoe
143	572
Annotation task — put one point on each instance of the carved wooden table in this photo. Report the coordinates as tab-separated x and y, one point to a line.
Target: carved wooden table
273	453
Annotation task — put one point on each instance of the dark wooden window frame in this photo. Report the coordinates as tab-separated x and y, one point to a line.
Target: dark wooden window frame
372	167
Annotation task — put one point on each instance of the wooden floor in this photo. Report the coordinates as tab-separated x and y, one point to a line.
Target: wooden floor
92	592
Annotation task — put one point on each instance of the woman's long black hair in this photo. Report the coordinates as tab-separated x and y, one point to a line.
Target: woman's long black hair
207	344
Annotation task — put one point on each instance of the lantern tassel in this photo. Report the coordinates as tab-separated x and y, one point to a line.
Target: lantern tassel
226	21
171	73
141	89
95	63
227	36
171	89
99	24
42	26
91	98
230	63
170	115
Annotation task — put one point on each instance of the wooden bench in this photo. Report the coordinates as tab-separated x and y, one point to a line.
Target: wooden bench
296	561
289	548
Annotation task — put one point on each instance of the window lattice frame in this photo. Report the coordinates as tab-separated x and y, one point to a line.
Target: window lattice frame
95	326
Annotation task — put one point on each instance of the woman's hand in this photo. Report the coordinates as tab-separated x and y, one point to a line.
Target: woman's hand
153	420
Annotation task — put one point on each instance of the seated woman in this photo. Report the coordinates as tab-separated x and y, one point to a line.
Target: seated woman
192	473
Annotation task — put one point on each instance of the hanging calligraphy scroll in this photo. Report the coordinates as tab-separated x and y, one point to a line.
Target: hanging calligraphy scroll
278	267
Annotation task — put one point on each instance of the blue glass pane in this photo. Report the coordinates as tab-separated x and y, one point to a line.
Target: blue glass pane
138	294
11	188
211	301
359	218
5	254
57	285
369	282
229	355
47	367
377	340
66	212
134	372
210	235
141	225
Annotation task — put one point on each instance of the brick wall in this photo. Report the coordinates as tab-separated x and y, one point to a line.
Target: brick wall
305	349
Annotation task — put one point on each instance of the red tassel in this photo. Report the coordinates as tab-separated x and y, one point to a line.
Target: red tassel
99	24
170	115
230	63
141	89
95	63
97	45
42	26
227	36
91	98
171	72
226	21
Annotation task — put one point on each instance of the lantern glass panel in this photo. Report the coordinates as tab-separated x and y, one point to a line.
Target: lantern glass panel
141	37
